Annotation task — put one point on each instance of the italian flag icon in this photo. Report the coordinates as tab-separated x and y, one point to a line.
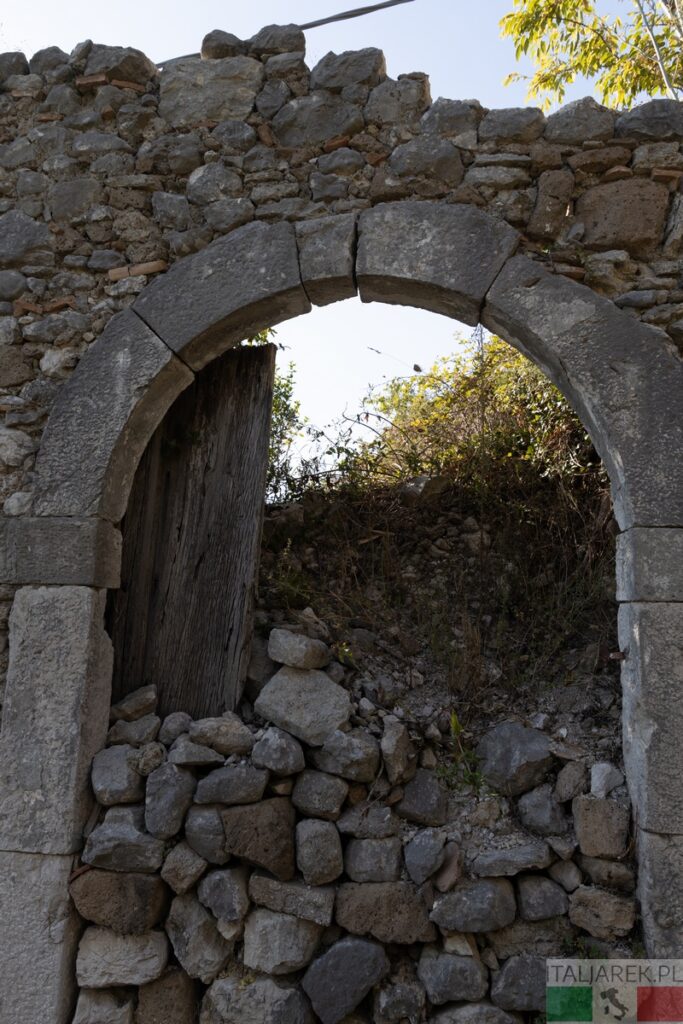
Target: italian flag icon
660	1003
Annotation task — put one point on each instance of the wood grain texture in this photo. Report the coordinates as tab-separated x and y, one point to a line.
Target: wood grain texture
191	540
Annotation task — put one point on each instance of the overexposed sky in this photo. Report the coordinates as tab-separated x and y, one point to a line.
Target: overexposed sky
456	43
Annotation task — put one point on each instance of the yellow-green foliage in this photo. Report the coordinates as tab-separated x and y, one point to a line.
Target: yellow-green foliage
630	50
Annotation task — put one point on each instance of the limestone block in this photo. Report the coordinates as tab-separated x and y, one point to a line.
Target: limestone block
55	716
327	248
442	258
628	214
233	288
581	121
650	565
38	939
60	550
623	378
312	120
659	120
651	636
102	420
660	890
194	90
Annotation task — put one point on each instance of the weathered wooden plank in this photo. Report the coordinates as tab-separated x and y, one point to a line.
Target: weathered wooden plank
191	541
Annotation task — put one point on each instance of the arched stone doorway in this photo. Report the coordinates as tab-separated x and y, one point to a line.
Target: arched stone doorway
622	376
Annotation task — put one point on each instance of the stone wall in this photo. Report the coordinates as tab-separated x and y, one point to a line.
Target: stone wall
308	860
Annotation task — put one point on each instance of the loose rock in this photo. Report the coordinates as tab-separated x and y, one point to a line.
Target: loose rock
340	979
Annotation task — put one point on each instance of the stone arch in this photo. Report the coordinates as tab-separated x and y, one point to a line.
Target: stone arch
623	377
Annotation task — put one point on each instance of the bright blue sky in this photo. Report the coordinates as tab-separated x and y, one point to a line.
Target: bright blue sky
457	44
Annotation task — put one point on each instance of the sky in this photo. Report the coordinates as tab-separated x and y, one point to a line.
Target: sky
459	47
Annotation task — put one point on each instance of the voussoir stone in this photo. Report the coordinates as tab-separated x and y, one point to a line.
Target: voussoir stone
262	834
353	755
306	703
327	253
354	67
199	947
277	943
168	798
441	258
514	758
106	958
478	906
389	911
227	734
513	860
341	978
233	784
279	752
193	90
319	855
128	903
230	1001
309	902
448	978
313	120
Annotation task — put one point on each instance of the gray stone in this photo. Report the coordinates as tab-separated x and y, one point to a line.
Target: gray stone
182	868
171	999
498	177
194	90
571	781
520	984
212	182
649	565
542	938
424	854
105	958
659	120
319	855
127	903
12	284
601	212
540	897
604	778
660	893
102	1007
430	156
171	211
344	161
173	726
402	102
234	136
478	906
566	874
115	778
234	784
199	947
228	734
167	800
138	733
369	821
121	844
602	914
353	755
397	999
602	827
327	249
540	812
373	860
448	978
279	752
398	752
123	63
310	903
224	892
514	758
135	705
441	258
452	117
341	978
306	703
425	801
475	1013
218	44
354	67
512	124
610	874
205	834
50	736
389	911
550	212
13	63
513	860
38	938
105	436
278	943
227	214
318	795
152	755
275	39
234	288
297	650
187	754
272	97
315	119
230	1001
23	240
262	834
582	121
